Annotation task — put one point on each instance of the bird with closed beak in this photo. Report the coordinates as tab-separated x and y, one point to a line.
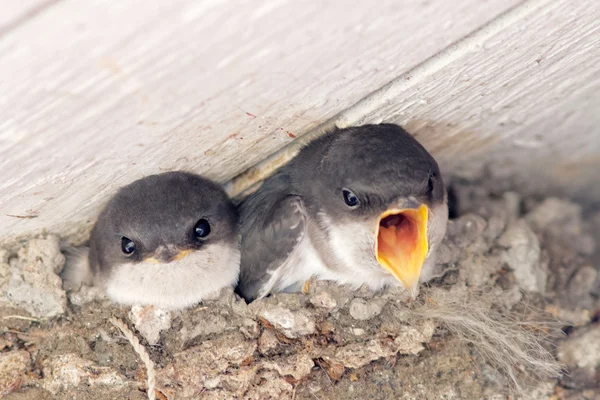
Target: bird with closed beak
167	240
358	206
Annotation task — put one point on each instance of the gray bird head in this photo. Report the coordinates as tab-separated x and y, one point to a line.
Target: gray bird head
380	197
161	230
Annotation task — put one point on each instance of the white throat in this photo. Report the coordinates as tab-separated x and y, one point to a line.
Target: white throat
178	284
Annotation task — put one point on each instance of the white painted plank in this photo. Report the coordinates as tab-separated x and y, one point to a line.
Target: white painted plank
520	97
16	12
118	90
526	105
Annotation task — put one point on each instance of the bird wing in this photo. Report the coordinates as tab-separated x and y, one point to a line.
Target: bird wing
273	224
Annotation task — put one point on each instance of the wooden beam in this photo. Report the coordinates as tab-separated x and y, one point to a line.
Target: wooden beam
14	13
97	94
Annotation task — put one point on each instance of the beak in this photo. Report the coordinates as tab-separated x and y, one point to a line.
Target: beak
167	254
401	246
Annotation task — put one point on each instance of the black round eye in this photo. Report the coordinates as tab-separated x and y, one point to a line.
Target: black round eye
350	198
127	245
202	229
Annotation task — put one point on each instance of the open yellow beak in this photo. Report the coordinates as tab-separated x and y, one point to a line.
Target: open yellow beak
177	257
401	246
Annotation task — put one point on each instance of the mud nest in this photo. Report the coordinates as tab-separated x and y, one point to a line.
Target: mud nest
513	311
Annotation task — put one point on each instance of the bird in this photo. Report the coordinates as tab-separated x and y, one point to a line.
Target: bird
167	240
363	205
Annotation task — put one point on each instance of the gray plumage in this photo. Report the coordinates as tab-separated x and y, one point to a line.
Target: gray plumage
297	224
158	220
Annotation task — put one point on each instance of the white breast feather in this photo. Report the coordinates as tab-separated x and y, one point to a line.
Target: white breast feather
178	284
353	245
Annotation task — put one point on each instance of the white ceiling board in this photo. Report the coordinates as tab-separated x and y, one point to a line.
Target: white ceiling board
16	12
526	105
518	100
119	90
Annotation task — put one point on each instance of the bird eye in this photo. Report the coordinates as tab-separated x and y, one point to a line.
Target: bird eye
350	198
202	229
127	245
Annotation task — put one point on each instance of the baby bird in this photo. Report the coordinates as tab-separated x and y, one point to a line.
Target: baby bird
167	240
362	205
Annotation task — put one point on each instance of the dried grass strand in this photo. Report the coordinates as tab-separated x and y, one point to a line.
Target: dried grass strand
501	336
141	351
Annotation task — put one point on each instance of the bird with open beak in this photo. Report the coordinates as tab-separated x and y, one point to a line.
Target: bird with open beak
167	240
359	206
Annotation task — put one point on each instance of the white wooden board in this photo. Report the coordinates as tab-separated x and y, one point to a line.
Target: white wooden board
14	13
525	104
520	97
96	94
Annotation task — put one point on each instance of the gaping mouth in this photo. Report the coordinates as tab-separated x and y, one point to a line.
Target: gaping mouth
401	246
